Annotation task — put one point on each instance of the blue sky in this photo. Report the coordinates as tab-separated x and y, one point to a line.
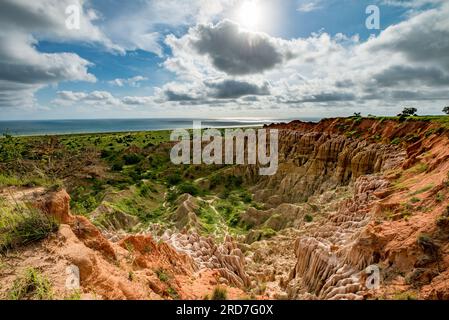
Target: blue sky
221	58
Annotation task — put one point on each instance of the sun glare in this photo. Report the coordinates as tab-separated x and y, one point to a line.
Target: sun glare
250	14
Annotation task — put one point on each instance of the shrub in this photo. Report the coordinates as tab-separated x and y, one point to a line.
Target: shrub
220	293
162	276
23	225
247	198
396	141
189	188
415	200
308	218
9	149
174	179
75	295
132	158
31	285
118	166
173	293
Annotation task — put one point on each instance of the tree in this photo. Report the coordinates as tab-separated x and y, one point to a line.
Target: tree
357	115
446	110
408	112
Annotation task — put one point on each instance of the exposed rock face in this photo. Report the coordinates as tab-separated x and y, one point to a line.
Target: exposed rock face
227	258
312	163
56	204
136	267
185	215
112	219
327	265
331	258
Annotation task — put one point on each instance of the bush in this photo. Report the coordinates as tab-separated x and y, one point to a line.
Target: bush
220	293
162	276
396	141
118	166
188	188
308	218
32	285
9	148
415	200
132	158
174	179
23	225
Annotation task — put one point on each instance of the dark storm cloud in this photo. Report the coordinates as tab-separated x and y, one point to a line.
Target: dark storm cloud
171	95
232	89
236	51
324	97
397	75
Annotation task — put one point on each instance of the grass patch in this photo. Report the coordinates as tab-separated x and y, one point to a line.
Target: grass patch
75	295
31	285
22	225
219	293
173	293
395	141
162	275
407	295
415	200
422	190
419	168
16	181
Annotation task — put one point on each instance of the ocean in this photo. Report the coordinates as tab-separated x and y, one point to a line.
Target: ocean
49	127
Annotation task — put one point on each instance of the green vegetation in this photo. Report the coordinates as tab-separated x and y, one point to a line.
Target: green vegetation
415	200
75	295
407	295
31	285
446	110
219	293
162	275
20	225
423	189
308	218
408	112
396	141
173	293
443	219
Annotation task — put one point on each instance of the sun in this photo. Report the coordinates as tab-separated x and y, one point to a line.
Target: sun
249	14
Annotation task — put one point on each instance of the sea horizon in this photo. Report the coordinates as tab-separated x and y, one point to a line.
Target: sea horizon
91	126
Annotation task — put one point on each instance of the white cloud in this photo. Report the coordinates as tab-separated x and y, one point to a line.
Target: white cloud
99	98
411	3
23	69
309	5
133	82
319	72
138	24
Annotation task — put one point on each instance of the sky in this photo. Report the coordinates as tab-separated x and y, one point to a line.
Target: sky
274	59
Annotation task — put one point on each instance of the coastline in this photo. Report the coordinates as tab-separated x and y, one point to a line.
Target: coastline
109	126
